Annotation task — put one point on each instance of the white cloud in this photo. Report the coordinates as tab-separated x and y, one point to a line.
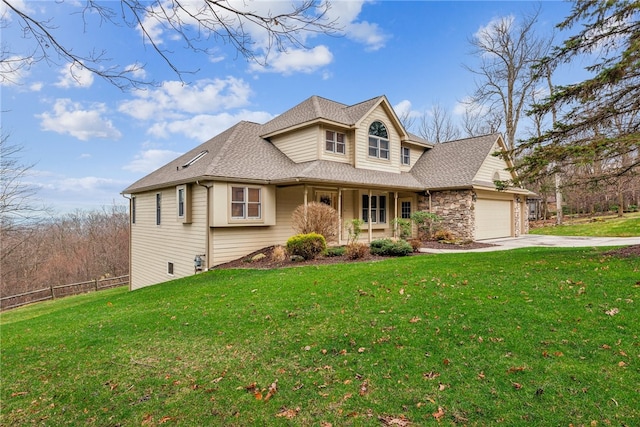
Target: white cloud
150	160
488	34
14	70
74	76
202	127
346	15
136	70
297	60
403	109
467	104
173	99
71	118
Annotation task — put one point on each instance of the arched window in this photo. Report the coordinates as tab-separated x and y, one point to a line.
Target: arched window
378	141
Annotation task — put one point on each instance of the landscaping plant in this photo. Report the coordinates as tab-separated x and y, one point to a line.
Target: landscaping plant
307	246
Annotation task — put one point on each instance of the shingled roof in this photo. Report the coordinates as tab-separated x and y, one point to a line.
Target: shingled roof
318	108
242	153
453	164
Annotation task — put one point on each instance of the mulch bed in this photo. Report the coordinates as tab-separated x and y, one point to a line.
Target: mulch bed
267	261
626	252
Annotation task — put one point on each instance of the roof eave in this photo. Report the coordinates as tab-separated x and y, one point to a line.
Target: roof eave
303	125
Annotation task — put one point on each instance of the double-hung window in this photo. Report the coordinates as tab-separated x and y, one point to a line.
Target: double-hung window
405	156
158	207
377	205
246	203
181	201
378	141
334	142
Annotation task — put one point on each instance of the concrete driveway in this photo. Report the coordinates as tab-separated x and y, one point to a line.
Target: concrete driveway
532	240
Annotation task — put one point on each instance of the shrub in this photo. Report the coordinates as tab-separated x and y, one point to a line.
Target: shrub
416	244
308	246
319	218
336	251
388	247
356	250
426	222
278	254
404	227
443	235
354	230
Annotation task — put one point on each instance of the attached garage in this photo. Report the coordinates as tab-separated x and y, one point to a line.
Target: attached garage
493	218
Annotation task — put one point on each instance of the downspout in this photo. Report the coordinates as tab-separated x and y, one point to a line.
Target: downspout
339	215
429	194
207	258
395	225
130	238
369	217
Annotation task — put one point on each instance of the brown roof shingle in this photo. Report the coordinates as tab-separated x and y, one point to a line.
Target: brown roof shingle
453	164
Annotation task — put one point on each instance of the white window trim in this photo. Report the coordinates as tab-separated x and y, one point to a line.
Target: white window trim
406	157
335	142
376	223
245	218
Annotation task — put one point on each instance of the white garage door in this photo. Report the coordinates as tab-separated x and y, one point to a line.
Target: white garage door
493	219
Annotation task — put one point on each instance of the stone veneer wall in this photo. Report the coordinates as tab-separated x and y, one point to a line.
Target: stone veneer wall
455	207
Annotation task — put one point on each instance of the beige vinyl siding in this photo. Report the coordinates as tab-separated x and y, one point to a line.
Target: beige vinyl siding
221	205
230	243
415	153
347	157
362	159
301	145
491	165
153	246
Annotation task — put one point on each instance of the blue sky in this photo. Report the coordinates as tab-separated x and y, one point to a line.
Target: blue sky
89	140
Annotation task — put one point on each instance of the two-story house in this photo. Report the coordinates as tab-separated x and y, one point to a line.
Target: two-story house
235	193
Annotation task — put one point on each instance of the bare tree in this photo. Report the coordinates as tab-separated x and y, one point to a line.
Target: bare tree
250	27
476	122
436	125
507	50
18	207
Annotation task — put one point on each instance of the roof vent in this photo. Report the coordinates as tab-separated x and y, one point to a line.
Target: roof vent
195	159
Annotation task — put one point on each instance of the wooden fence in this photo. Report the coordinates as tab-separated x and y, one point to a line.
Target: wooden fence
60	291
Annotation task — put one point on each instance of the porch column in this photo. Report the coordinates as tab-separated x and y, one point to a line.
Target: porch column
339	215
369	218
395	222
306	201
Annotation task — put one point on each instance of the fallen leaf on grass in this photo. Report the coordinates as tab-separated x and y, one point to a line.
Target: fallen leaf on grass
431	375
148	419
415	319
273	388
515	369
19	393
394	421
517	386
439	413
612	312
364	388
164	419
288	413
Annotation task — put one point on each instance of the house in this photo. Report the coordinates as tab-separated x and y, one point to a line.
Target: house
235	193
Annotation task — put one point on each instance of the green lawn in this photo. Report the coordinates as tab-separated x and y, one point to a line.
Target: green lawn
541	336
605	226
